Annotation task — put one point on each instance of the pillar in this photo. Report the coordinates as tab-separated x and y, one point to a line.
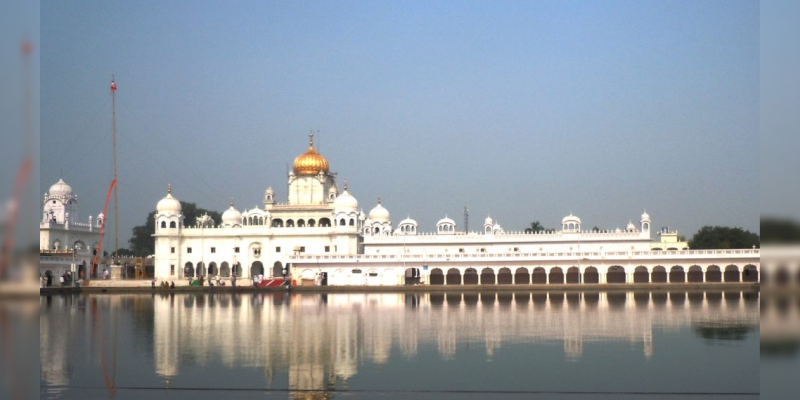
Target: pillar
602	276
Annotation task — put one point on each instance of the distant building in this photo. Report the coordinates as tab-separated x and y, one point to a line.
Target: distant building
320	236
63	240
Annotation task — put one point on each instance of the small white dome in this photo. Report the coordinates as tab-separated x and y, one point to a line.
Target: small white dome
570	218
631	227
379	213
645	217
101	216
488	221
231	216
269	191
60	189
345	202
408	221
169	203
446	220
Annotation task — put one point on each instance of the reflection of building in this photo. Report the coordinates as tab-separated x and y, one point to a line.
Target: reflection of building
324	340
320	230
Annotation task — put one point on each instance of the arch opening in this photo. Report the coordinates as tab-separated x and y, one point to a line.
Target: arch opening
556	275
437	277
453	277
471	276
487	277
591	275
522	276
615	274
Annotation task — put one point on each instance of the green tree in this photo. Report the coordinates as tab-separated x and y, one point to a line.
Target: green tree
142	244
779	231
723	237
536	226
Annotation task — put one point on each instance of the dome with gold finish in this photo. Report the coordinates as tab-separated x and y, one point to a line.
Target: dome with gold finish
310	162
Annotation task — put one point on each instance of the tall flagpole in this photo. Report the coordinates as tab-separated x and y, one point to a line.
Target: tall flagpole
114	122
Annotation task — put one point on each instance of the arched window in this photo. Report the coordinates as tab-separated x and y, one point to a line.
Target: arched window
225	269
261	220
352	222
277	223
342	222
237	269
301	223
188	270
290	223
172	224
163	224
312	223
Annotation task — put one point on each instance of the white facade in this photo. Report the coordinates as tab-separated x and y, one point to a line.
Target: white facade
320	230
63	240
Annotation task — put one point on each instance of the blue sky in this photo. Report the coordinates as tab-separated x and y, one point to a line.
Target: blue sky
519	110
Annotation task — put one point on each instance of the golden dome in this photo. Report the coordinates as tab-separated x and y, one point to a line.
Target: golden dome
310	162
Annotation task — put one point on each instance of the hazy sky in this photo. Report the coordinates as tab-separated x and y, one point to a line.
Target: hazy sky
519	110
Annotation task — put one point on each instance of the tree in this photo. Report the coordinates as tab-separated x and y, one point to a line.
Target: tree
723	237
142	244
779	231
536	226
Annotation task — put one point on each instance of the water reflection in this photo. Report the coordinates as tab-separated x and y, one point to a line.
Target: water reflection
318	342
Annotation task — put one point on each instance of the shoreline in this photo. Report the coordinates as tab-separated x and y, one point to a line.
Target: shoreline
606	287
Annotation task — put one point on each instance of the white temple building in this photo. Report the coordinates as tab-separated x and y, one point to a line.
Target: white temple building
64	241
319	236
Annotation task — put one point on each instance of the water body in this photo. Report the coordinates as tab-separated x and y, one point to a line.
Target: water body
400	345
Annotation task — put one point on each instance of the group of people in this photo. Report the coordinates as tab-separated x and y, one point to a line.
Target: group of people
198	281
164	284
46	280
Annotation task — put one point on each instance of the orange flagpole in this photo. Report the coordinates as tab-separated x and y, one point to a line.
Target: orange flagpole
103	226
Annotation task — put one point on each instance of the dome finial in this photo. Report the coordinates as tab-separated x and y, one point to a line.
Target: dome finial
169	188
345	185
311	138
379	199
231	201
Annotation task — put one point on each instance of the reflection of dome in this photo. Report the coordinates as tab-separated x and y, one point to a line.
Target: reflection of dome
379	213
60	189
310	162
169	203
345	202
231	216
